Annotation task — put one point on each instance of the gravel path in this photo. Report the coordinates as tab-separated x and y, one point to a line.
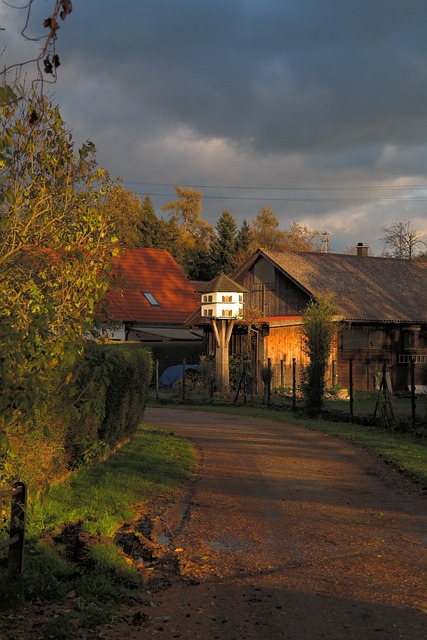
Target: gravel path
289	534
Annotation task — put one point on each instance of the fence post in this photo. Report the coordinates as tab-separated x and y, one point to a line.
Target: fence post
350	376
294	383
183	379
282	373
413	396
157	379
17	529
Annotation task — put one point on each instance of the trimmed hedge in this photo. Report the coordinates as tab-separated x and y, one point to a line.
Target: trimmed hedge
130	373
100	404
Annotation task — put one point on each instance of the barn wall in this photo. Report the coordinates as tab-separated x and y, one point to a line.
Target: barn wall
270	292
282	345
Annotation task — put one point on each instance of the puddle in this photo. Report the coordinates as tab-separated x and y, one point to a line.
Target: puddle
228	545
161	539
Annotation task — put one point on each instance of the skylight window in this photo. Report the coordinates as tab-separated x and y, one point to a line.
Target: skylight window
151	299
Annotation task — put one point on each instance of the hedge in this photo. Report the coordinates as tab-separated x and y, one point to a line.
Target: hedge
99	403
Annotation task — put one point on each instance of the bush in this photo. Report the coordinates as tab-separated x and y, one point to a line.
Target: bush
97	404
130	373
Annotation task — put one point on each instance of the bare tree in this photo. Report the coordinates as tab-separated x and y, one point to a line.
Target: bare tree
46	60
401	240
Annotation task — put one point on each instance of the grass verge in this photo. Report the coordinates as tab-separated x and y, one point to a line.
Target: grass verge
100	499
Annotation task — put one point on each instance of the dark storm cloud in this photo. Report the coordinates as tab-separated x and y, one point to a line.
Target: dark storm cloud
284	76
321	93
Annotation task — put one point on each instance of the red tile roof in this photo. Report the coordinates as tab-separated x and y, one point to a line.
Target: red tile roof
152	271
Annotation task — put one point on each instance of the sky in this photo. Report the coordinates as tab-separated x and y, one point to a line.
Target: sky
316	108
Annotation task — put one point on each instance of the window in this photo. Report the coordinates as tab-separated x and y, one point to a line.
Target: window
418	359
227	298
208	298
227	313
207	312
151	299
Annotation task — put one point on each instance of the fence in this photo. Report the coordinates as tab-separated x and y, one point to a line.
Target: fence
280	386
15	542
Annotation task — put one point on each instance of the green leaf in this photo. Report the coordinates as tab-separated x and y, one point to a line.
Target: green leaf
7	95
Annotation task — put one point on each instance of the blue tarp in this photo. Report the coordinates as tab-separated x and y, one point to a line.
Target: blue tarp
174	373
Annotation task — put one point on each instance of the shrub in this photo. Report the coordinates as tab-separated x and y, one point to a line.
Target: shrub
130	372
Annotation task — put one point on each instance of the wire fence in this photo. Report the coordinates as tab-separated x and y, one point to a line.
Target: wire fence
379	406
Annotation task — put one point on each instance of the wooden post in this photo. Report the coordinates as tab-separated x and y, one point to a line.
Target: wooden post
223	329
157	379
282	373
413	397
350	375
183	380
17	529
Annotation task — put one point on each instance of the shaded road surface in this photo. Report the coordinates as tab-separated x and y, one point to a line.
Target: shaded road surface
291	534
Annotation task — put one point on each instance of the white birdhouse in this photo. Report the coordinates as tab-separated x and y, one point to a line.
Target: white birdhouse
222	299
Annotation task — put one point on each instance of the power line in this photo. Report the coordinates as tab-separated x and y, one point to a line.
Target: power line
289	199
283	188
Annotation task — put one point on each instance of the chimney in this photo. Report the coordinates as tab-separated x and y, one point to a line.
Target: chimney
362	249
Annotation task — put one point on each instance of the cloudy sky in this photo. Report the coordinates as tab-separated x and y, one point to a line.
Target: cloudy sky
317	108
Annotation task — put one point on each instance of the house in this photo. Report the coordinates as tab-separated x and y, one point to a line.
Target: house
150	299
381	308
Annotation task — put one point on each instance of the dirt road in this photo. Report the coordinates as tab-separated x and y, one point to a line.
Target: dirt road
290	534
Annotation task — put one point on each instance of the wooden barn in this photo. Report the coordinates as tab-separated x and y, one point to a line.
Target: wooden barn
381	308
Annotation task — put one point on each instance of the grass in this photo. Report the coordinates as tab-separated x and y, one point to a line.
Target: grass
105	495
101	497
404	451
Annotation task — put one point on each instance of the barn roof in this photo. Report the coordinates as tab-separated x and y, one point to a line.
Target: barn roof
150	287
364	287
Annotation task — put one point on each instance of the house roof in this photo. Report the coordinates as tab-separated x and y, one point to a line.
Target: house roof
150	288
364	287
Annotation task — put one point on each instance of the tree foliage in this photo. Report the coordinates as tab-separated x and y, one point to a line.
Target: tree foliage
224	247
125	210
265	233
243	243
55	245
193	234
318	333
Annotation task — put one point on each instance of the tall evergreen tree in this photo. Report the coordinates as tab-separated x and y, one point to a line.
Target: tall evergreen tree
243	243
224	247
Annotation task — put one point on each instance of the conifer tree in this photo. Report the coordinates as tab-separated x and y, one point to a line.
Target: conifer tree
224	247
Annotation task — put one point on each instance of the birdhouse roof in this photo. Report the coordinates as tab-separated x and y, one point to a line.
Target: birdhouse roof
223	283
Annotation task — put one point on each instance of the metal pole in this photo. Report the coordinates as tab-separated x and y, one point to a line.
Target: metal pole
268	381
